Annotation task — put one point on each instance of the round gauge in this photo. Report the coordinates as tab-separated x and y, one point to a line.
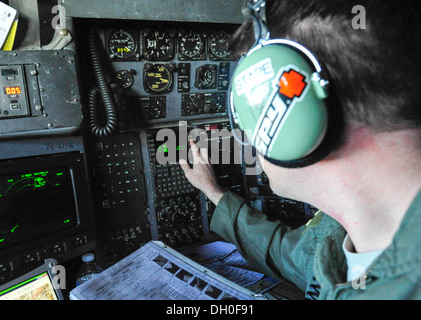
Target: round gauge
191	44
124	78
122	45
206	77
218	45
158	45
157	78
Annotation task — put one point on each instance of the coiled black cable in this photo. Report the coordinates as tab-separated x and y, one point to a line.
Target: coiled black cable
103	92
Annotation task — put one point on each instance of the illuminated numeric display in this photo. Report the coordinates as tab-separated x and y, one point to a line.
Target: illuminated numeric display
164	148
12	90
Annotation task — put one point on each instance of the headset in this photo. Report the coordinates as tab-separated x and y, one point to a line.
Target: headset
279	97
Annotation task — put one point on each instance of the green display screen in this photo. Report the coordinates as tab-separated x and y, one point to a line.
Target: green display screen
164	148
38	287
35	204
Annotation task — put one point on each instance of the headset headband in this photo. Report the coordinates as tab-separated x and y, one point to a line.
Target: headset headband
278	93
256	10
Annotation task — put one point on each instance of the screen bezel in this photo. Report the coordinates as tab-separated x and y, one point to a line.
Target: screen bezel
47	267
75	163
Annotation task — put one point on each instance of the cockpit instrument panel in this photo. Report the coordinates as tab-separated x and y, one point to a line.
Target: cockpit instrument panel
169	71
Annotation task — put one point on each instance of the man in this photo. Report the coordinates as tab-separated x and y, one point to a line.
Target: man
365	242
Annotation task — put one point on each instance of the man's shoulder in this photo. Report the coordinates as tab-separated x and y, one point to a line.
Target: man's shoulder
321	223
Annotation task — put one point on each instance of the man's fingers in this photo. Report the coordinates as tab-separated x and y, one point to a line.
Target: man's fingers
199	155
204	155
184	165
194	147
195	152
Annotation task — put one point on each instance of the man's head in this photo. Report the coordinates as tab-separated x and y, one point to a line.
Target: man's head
374	71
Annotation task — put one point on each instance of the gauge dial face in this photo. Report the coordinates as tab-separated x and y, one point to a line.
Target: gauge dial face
158	78
124	78
206	77
218	45
158	45
122	45
191	44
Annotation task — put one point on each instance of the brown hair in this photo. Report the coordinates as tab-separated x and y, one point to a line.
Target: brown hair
376	71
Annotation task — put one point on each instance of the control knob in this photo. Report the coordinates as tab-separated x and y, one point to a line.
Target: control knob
178	217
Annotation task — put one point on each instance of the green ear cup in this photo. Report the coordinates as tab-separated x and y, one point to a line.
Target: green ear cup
277	102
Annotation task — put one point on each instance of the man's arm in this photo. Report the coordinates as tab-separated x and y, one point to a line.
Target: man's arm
269	245
201	175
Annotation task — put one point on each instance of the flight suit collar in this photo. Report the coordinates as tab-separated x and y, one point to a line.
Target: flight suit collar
330	266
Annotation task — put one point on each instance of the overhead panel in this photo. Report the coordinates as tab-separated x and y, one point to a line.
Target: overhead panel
218	11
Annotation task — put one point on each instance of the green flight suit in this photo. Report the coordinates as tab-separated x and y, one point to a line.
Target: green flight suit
312	257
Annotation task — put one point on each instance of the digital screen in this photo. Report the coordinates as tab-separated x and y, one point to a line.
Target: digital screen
169	149
35	204
12	90
170	152
36	288
163	148
9	72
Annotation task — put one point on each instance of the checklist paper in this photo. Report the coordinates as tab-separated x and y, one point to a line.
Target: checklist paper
7	16
157	272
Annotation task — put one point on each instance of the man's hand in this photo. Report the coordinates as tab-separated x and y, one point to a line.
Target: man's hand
202	176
